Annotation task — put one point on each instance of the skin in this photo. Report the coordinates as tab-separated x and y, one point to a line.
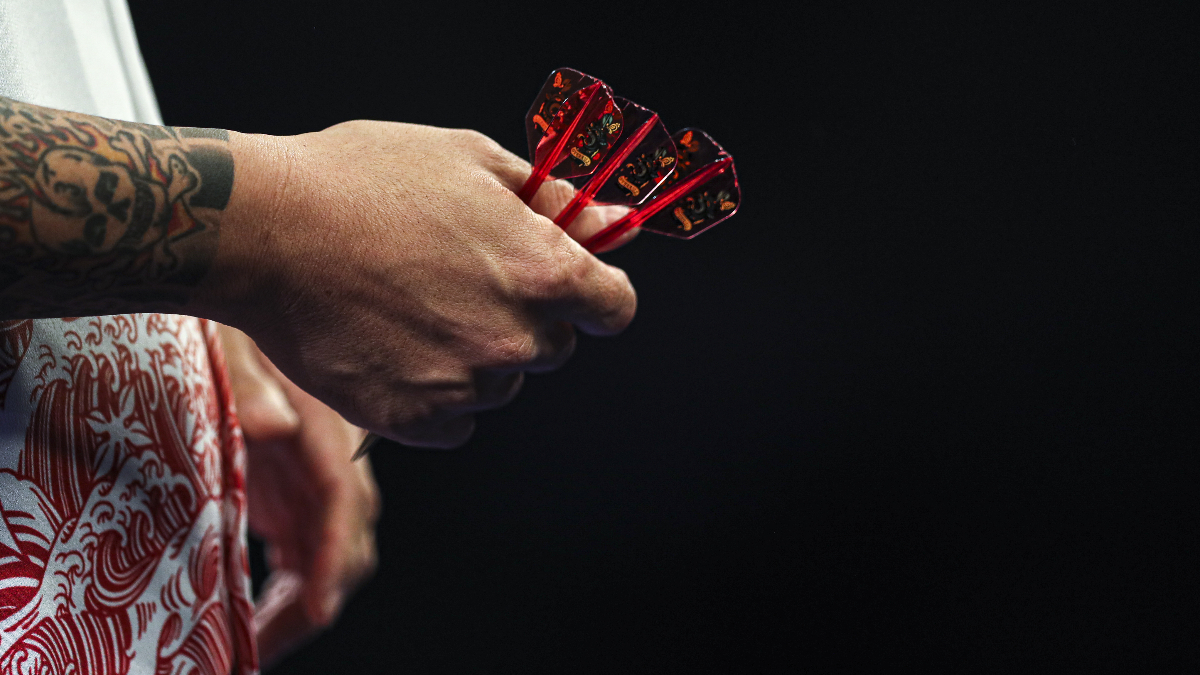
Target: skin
315	510
408	238
411	237
298	475
382	276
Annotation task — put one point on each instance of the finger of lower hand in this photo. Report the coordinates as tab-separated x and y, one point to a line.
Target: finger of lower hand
280	621
263	409
326	587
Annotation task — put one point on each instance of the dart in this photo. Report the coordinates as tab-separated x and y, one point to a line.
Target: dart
576	139
640	161
678	185
365	447
701	192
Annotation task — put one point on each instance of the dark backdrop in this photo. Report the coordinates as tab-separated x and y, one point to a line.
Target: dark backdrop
929	399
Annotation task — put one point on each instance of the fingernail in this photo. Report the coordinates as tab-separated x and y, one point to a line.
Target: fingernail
612	213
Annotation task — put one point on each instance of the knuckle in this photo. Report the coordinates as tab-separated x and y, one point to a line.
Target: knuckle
491	153
616	301
459	397
351	126
472	137
560	276
499	392
476	142
560	344
513	350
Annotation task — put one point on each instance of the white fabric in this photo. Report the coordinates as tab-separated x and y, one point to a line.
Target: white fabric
78	55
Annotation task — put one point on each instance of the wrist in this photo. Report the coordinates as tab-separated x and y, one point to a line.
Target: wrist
239	278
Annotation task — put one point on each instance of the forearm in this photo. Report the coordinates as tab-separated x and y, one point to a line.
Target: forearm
100	216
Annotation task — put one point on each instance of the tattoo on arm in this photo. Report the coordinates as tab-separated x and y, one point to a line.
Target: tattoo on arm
99	216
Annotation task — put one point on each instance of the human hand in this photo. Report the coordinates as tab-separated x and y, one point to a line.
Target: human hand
398	278
315	509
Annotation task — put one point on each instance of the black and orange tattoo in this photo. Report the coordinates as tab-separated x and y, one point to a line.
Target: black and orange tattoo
99	216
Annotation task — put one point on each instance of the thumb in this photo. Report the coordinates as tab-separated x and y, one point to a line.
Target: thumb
263	407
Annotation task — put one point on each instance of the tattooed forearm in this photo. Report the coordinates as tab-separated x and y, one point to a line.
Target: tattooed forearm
99	216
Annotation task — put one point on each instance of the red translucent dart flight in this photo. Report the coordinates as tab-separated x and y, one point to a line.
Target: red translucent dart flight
642	159
702	191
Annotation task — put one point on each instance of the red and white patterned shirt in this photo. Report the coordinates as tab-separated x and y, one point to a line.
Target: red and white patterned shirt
122	500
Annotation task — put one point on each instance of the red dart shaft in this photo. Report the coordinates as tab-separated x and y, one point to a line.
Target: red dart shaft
597	181
540	171
612	232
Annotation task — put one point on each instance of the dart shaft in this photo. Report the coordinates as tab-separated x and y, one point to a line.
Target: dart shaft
610	167
571	212
530	188
613	232
365	447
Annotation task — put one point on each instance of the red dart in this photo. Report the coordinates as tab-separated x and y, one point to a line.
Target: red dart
576	140
702	192
640	161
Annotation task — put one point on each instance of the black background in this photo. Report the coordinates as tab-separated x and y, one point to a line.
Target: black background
929	399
